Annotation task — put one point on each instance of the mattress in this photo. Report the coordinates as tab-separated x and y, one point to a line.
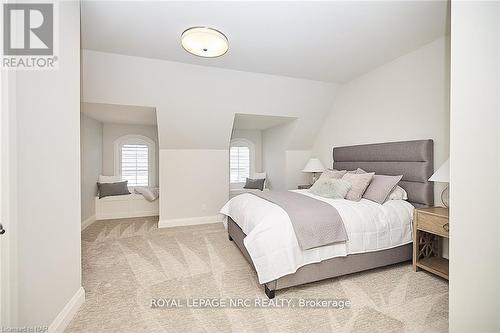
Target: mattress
273	246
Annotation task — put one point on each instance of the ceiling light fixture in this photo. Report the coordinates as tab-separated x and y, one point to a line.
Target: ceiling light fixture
204	42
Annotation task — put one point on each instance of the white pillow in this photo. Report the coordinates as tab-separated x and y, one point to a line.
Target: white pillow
109	179
397	194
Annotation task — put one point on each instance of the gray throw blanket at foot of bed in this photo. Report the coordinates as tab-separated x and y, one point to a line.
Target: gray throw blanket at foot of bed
315	222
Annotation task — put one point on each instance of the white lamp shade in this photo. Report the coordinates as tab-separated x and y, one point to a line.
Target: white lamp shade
442	174
314	165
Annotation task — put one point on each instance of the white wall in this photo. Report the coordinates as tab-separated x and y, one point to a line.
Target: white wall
274	145
283	166
295	161
196	105
405	99
474	167
195	108
112	132
47	185
91	162
198	183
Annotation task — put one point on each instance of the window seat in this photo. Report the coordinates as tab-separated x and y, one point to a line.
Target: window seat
124	206
236	191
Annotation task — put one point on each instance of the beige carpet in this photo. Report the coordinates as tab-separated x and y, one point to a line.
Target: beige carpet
128	262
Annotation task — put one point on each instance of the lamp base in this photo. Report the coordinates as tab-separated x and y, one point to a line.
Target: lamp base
445	197
314	178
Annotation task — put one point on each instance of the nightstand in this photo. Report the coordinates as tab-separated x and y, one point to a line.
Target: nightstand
303	187
430	226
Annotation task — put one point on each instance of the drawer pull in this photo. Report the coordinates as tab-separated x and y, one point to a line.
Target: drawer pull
446	227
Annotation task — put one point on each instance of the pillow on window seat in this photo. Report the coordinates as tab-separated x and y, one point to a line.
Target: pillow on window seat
149	193
109	179
260	175
112	189
257	184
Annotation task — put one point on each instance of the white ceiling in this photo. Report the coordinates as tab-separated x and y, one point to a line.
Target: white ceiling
120	114
327	41
258	122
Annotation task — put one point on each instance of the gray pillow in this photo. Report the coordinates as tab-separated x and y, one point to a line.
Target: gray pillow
112	189
359	184
255	184
330	188
380	187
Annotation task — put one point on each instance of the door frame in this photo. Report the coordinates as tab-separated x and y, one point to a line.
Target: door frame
8	199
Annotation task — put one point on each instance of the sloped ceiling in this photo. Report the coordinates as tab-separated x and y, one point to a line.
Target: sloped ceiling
120	114
133	56
196	105
258	122
332	41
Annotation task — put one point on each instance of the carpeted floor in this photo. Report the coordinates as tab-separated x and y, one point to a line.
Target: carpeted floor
128	262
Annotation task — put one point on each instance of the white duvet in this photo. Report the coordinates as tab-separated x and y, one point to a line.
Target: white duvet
273	246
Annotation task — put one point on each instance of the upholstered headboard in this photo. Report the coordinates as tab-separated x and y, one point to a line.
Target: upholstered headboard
412	159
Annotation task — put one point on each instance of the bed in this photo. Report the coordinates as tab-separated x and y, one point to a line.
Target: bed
379	235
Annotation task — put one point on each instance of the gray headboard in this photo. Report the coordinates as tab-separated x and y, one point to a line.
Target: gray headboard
412	159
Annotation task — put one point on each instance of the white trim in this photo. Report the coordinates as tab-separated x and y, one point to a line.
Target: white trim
68	312
135	138
190	221
9	200
88	221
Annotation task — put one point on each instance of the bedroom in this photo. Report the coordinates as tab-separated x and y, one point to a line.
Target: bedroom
313	162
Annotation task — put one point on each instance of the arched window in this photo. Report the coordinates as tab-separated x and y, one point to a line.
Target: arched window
241	160
135	160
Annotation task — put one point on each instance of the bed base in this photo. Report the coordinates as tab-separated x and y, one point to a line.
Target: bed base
326	269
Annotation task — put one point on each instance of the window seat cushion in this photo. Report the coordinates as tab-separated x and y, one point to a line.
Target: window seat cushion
236	191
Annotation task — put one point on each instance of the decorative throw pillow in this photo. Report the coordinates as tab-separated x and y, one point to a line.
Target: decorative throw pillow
359	183
332	174
380	187
112	189
398	193
260	175
330	188
255	184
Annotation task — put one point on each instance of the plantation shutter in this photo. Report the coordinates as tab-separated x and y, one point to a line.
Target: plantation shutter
239	161
135	164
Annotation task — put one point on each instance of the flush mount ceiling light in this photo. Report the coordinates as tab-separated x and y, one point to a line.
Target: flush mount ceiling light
204	42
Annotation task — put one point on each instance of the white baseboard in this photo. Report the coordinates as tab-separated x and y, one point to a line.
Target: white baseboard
68	312
190	221
87	222
127	215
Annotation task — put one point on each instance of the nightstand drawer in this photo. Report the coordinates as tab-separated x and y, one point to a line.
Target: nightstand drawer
434	224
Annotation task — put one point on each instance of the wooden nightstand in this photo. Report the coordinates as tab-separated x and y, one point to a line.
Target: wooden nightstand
303	187
430	225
